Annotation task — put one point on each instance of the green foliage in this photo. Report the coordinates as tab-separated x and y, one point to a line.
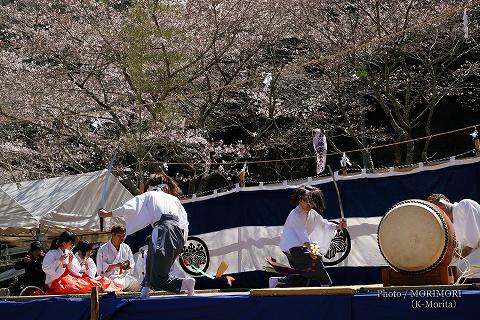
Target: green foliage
361	72
150	58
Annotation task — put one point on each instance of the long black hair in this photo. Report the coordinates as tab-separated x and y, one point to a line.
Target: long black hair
64	237
83	246
309	194
160	178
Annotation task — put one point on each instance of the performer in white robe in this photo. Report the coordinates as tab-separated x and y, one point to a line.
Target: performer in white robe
141	266
304	228
161	209
465	216
59	261
115	261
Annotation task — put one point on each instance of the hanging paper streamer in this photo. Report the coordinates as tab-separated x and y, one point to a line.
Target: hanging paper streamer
320	147
465	23
245	168
96	124
267	81
344	161
474	134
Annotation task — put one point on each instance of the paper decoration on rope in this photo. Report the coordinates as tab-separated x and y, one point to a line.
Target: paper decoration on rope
344	161
320	147
465	23
474	134
245	168
96	124
267	81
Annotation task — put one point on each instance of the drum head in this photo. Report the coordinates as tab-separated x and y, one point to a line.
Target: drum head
412	237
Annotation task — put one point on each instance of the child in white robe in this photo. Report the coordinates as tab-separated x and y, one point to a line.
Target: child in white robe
304	227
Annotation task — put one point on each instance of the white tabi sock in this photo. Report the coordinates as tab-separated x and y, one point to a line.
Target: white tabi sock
145	293
273	281
188	284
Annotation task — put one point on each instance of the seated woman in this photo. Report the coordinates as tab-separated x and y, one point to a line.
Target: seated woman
63	271
82	251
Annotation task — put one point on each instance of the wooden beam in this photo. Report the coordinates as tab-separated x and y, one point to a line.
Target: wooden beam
94	304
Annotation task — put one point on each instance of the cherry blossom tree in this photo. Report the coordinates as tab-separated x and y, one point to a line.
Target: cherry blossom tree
207	85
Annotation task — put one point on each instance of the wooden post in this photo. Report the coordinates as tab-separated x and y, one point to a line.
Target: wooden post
141	183
242	179
477	147
94	304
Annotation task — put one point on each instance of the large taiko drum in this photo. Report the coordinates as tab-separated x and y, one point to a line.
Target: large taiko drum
415	237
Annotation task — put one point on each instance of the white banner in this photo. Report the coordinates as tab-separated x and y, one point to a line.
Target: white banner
320	147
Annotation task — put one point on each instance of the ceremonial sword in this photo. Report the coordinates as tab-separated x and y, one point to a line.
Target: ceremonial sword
338	192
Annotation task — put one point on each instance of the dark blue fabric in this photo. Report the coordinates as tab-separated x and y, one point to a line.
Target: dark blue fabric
234	307
372	306
369	197
365	306
51	308
362	197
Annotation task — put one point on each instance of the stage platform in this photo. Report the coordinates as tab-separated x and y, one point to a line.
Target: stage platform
341	302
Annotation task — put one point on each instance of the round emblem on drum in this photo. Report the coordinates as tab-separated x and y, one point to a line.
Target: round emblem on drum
194	257
339	248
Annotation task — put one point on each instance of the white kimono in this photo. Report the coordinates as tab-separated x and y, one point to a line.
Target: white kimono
300	228
148	207
107	254
466	223
91	271
140	264
54	268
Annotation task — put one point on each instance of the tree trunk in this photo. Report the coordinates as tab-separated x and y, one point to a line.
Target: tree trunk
410	153
204	179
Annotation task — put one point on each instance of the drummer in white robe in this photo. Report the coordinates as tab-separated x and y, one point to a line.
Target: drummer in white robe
115	261
465	216
303	228
160	208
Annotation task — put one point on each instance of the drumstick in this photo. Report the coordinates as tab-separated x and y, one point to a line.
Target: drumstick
338	192
221	269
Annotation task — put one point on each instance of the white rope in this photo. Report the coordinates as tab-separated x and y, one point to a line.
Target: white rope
465	273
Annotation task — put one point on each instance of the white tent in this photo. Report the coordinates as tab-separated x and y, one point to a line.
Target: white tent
15	210
57	204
